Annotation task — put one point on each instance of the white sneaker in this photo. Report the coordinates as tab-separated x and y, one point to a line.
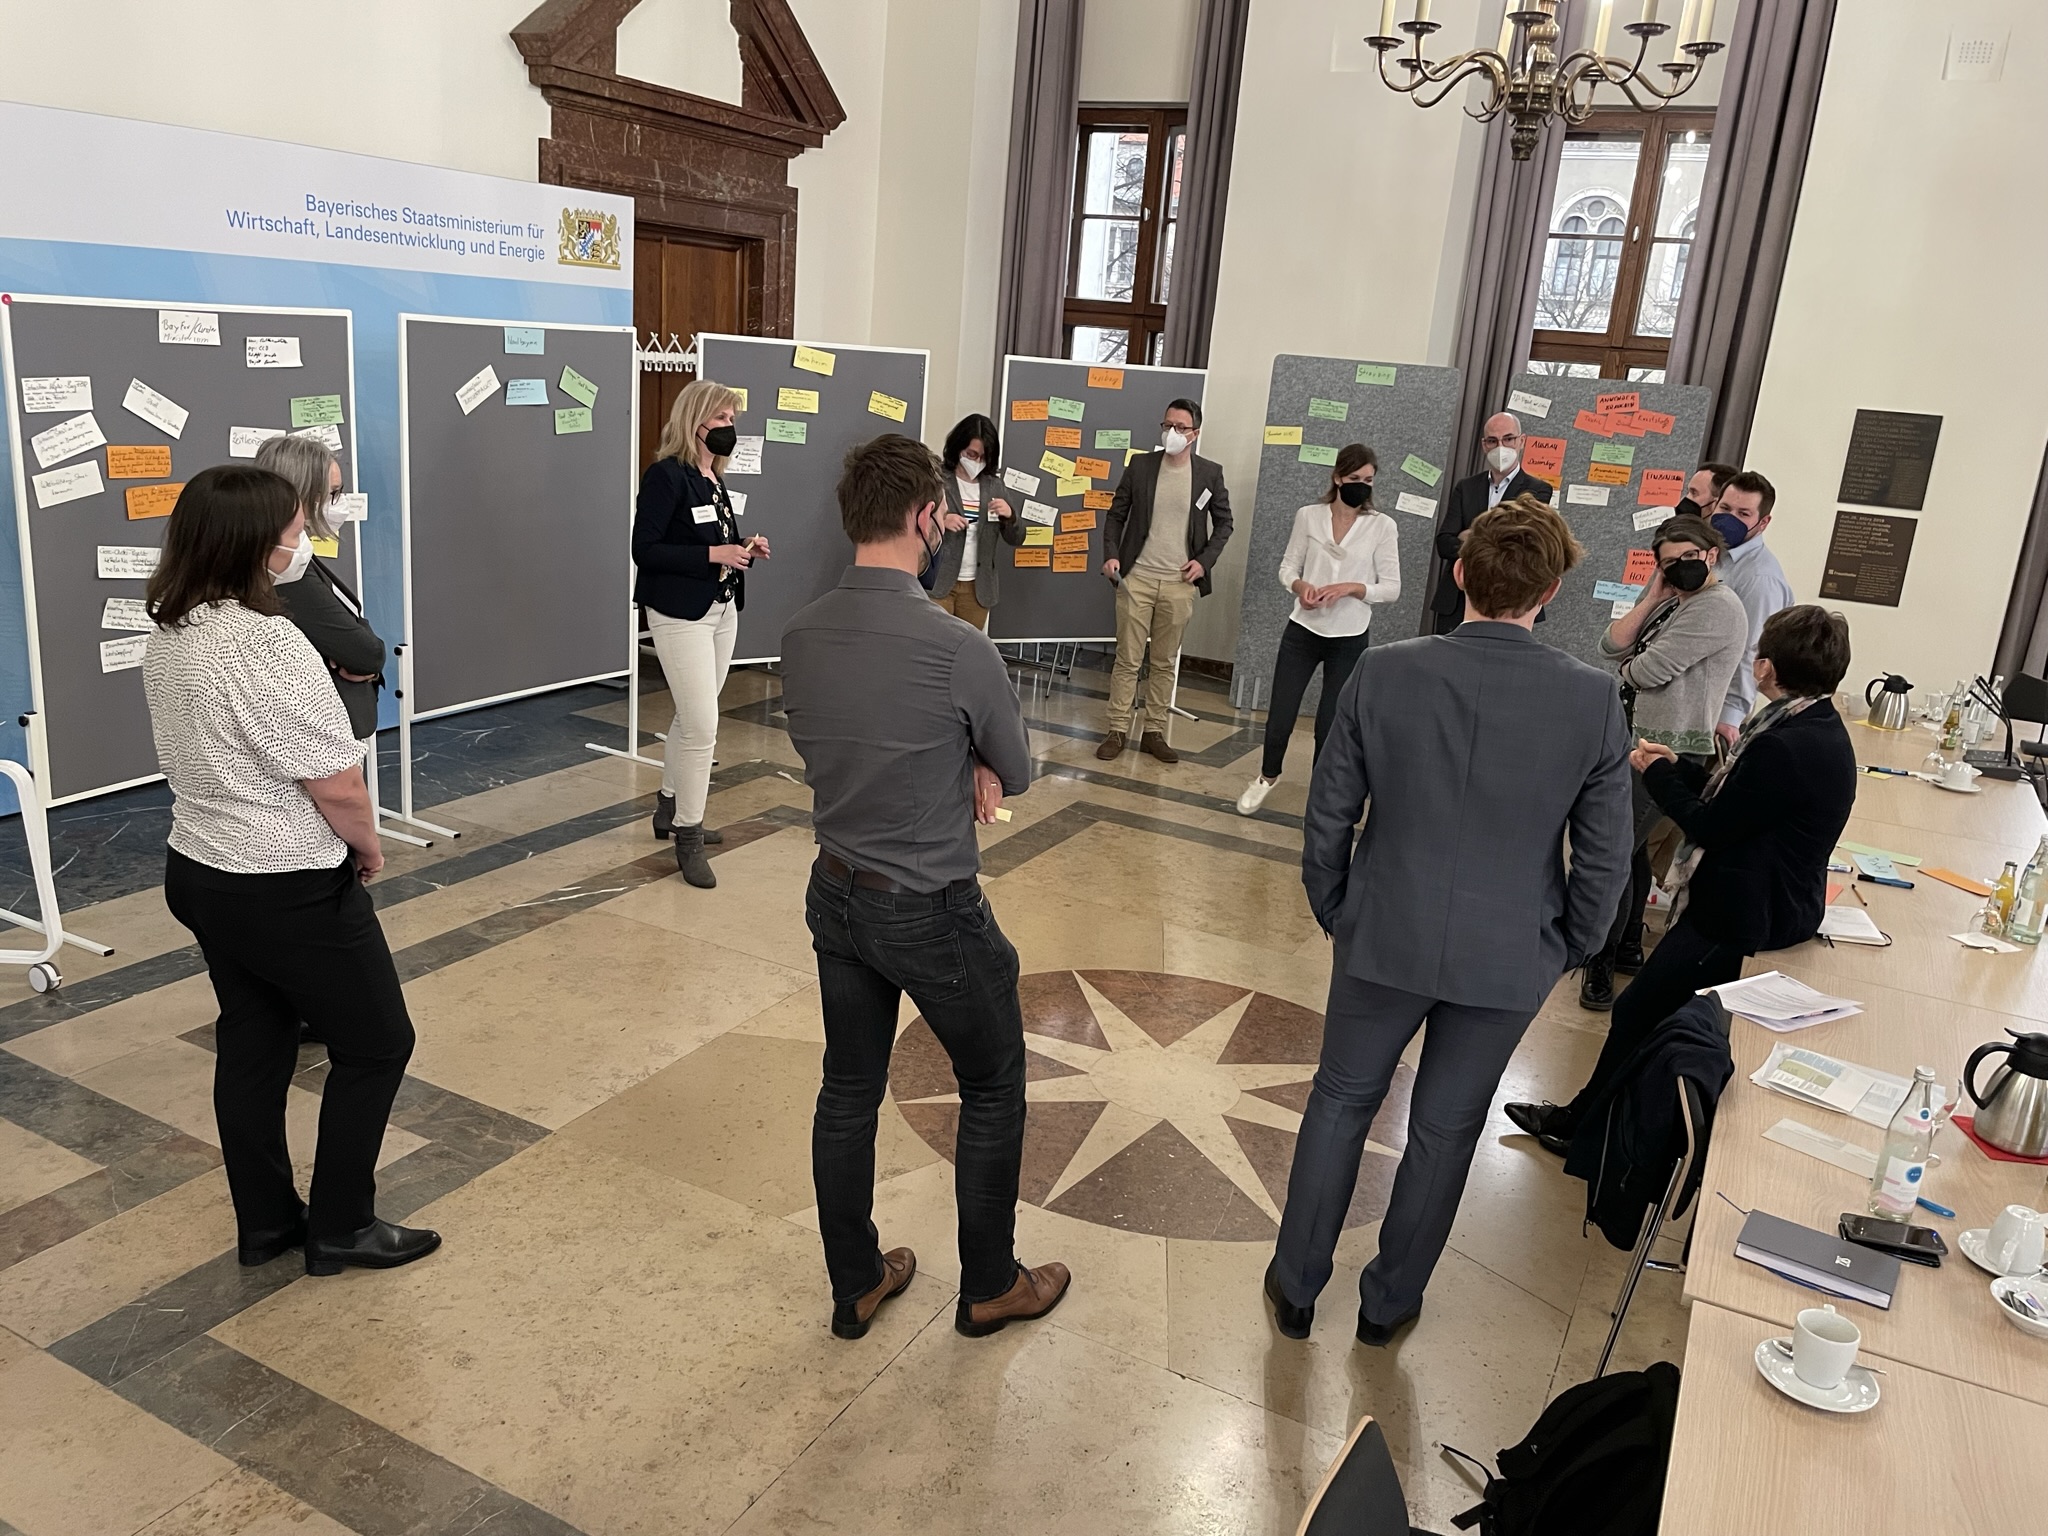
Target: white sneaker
1254	795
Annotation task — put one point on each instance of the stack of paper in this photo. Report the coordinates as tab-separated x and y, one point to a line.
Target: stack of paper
1851	925
1863	1092
1780	1003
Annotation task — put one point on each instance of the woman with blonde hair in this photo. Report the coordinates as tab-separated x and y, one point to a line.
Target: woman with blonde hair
692	585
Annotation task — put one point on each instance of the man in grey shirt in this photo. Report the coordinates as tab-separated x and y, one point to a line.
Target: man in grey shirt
910	734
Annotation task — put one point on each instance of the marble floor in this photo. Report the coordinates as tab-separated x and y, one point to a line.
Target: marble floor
608	1118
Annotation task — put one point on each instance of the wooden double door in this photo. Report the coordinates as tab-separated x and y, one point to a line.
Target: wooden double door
683	284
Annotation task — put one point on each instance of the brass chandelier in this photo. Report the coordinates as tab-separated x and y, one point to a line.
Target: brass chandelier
1526	79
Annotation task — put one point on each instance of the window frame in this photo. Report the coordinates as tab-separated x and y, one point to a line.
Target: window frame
1142	318
1619	349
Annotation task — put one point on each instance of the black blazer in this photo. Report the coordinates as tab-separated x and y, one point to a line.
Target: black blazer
680	516
1767	836
331	616
1461	510
1130	514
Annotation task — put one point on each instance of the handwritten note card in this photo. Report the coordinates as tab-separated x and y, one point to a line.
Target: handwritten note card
1614	453
67	439
1072	485
525	341
244	441
1053	464
1029	410
526	391
1661	487
160	411
1421	469
1062	437
1284	437
746	456
271	351
804	400
1376	373
815	360
68	392
1522	403
1543	457
123	655
781	431
1066	410
1329	410
125	562
147	501
1317	453
74	482
480	386
1414	505
1031	557
126	613
1588	495
575	418
150	461
1105	378
880	404
1093	469
1020	480
1041	512
316	411
1609	474
187	328
1111	439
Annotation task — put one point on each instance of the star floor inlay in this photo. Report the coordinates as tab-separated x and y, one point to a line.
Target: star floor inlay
1160	1104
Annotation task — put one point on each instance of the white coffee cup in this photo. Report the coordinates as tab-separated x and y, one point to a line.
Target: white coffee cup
1824	1346
2016	1240
1957	775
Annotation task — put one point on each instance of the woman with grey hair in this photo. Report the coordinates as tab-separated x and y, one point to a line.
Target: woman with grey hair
317	600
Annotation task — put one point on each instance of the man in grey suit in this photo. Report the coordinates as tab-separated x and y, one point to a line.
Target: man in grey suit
1477	750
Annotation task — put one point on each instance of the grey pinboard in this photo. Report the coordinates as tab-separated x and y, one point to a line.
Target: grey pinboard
794	501
1407	420
95	724
518	558
1039	603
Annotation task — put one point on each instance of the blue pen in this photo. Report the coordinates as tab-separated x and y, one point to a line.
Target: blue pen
1939	1210
1897	773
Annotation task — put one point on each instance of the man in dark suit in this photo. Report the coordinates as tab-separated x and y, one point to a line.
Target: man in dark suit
1503	479
1477	751
1167	526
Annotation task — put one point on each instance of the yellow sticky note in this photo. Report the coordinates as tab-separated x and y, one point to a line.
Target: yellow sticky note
326	549
1053	464
1075	485
1135	453
805	400
1285	436
880	404
811	360
740	390
1038	535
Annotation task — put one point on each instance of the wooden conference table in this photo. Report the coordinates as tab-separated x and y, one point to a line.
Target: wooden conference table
1959	1440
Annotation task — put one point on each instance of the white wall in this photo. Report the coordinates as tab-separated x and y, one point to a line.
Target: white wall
1137	50
1915	265
686	45
838	186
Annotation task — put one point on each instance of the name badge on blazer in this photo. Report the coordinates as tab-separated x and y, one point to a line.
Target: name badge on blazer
1202	500
704	514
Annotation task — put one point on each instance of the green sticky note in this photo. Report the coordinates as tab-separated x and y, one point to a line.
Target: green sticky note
1375	373
780	431
1330	410
1421	469
1105	438
316	411
574	419
577	387
1066	410
1614	453
1316	453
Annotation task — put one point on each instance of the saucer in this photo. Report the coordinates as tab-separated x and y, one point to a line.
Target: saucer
2033	1287
1857	1393
1972	788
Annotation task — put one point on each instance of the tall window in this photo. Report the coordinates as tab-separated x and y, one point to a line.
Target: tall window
1126	207
1628	193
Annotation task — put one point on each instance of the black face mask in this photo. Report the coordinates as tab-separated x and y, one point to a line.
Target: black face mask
1686	507
721	441
930	568
1356	493
1686	575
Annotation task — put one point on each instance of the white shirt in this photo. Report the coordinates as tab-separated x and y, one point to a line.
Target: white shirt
1496	489
970	505
1370	556
1753	571
243	709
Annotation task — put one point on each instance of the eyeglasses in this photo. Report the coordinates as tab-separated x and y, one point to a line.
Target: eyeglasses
1507	441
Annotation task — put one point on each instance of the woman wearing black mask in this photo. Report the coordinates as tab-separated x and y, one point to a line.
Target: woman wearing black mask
1342	558
692	585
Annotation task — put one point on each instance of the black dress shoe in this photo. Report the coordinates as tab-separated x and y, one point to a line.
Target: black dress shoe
255	1249
1596	987
1381	1334
380	1245
1287	1317
1628	959
1550	1124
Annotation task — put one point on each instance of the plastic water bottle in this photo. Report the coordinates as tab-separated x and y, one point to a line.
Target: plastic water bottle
1902	1160
2030	900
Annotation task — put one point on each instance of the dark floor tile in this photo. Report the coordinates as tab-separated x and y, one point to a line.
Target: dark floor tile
1165	1007
1163	1184
1055	1005
1274	1029
89	993
136	1336
72	1115
101	1195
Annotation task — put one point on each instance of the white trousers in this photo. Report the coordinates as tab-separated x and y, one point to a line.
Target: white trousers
695	656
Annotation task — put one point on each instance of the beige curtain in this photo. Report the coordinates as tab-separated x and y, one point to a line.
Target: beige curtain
1039	203
1205	181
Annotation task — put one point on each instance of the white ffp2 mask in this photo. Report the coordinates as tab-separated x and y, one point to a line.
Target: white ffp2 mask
302	556
1501	460
1174	441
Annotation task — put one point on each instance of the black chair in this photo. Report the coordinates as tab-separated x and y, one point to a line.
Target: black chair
2026	698
1692	1116
1361	1493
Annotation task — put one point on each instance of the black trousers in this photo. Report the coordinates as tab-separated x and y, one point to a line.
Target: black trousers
1301	652
1684	961
281	948
1627	928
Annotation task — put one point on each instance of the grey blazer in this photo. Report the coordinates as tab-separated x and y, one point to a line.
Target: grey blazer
1478	751
1129	522
946	567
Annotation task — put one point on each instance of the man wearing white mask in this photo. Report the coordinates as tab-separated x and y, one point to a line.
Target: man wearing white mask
1503	479
1167	526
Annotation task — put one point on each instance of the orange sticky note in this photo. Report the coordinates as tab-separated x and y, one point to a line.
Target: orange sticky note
1625	424
1611	405
1655	421
1030	410
1661	487
1543	457
1098	501
1062	437
1030	557
145	501
1960	882
1105	378
1599	426
1069	543
1835	892
1640	567
1094	469
1609	474
1070	562
1076	522
151	461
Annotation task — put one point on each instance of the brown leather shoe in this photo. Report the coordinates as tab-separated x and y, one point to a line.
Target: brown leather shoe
1035	1293
850	1319
1112	746
1154	742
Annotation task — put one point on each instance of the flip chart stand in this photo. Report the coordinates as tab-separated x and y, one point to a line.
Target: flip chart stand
404	812
43	975
631	752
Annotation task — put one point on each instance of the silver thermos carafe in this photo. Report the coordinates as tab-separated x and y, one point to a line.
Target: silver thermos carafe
2012	1109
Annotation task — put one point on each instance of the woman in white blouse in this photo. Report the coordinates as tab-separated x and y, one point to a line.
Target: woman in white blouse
272	839
1342	558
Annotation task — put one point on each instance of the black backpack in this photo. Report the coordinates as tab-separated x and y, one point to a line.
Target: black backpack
1592	1465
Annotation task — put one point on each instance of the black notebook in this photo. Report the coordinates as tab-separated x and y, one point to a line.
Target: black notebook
1818	1259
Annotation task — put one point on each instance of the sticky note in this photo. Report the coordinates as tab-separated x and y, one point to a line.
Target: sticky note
1134	453
1099	501
1625	424
1111	438
1069	563
880	404
1543	457
477	388
1316	453
271	352
575	418
151	461
1041	512
577	387
1614	453
1608	405
526	391
126	562
1066	410
1029	410
1662	487
67	439
1421	469
147	501
1094	469
1639	567
1062	437
123	655
244	441
1418	506
805	400
1329	410
1609	474
161	412
1035	537
74	482
1072	485
1588	495
328	436
525	341
1284	437
129	613
1105	378
1522	403
187	328
741	406
1076	522
1019	480
1053	464
326	549
349	507
780	431
739	502
1655	421
1647	518
1375	373
746	456
1068	543
814	360
1615	592
67	392
1030	556
1599	426
316	411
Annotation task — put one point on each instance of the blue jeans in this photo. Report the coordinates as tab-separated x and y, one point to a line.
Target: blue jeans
945	950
